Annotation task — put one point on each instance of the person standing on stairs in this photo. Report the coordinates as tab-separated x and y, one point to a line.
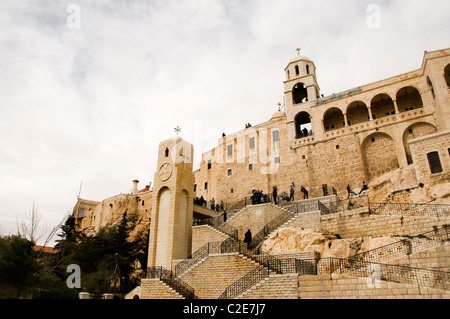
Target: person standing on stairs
248	238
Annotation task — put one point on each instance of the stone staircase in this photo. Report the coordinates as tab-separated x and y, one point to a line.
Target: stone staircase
211	275
156	289
276	286
214	274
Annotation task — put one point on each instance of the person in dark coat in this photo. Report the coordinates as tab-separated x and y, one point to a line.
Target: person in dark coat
364	187
248	238
275	194
349	191
291	197
305	192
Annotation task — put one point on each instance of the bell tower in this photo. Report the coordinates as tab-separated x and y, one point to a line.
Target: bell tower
172	206
301	82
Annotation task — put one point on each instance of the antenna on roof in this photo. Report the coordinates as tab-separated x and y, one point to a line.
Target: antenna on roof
79	192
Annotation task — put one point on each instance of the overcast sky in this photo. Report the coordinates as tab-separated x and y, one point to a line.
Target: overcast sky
88	89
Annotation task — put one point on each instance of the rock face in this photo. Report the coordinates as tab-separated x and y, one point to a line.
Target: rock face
295	240
401	186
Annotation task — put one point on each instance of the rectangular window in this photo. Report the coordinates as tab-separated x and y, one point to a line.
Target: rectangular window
250	167
230	172
195	187
206	185
209	164
230	150
277	160
276	136
435	162
251	142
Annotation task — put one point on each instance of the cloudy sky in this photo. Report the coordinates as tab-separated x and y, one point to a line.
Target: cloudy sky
88	89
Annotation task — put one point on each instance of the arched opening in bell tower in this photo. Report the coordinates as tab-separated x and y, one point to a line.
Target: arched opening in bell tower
447	75
299	93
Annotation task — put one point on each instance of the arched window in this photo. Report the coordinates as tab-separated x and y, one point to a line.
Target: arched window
307	69
302	125
408	98
447	75
299	93
333	119
382	105
357	112
435	162
166	152
297	71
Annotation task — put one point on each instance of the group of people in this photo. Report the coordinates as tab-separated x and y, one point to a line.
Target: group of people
305	133
363	188
258	197
211	204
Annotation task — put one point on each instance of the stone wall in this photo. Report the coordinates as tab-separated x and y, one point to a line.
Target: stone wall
359	223
420	147
202	235
323	287
254	218
437	258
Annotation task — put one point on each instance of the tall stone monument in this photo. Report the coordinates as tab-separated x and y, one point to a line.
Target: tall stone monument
172	207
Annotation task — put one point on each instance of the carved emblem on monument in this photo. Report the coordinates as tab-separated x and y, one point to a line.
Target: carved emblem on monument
165	171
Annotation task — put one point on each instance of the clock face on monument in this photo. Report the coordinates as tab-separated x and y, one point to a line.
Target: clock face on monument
165	171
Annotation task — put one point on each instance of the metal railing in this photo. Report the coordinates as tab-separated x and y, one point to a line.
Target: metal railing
408	209
405	246
171	280
199	255
359	269
342	205
360	265
385	272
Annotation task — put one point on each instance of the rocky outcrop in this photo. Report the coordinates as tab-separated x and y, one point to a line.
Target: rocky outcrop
296	239
401	186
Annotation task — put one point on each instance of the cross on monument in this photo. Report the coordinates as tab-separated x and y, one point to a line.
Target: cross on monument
177	129
298	51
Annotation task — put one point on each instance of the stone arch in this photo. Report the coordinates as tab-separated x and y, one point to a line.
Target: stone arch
333	119
447	75
382	105
163	206
408	98
357	112
182	211
302	122
299	93
379	155
414	131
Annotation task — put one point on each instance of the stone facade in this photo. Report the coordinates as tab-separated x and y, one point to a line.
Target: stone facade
342	139
339	140
346	138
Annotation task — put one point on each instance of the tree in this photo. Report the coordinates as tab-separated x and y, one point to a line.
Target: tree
17	267
30	227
